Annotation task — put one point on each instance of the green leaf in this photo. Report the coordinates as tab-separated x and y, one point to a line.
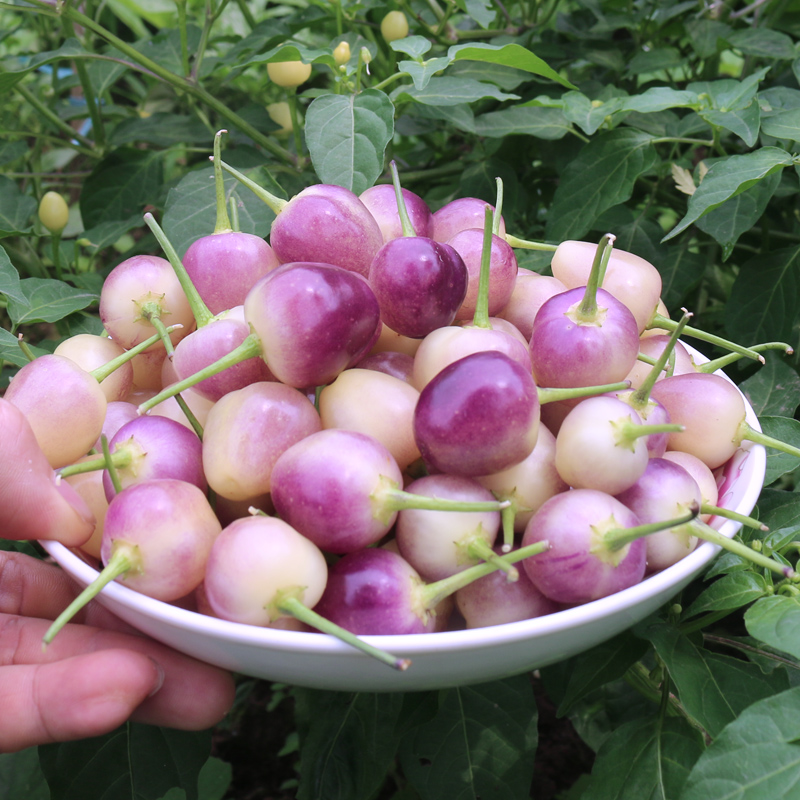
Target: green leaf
120	185
736	216
292	51
729	592
507	78
659	98
481	743
47	300
773	389
446	91
729	177
655	60
347	137
509	55
762	43
9	279
776	621
11	151
785	430
602	176
713	688
586	114
20	776
460	116
645	758
16	209
163	130
348	742
543	123
755	758
707	36
783	125
414	46
779	509
481	11
594	668
106	234
681	272
191	207
120	765
421	73
10	350
763	301
13	72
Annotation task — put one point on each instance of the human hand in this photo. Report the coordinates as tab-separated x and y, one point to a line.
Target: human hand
95	675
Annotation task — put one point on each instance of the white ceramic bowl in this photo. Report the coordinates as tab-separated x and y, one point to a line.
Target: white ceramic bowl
439	660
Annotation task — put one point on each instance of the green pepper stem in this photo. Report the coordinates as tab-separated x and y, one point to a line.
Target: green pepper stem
524	244
405	221
665	323
434	593
101	373
249	348
293	607
223	223
480	318
124	558
748	522
587	309
199	309
554	395
274	202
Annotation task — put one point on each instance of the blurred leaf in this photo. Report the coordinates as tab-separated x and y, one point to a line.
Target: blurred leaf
727	178
778	462
655	60
414	46
422	73
714	689
755	758
509	55
121	185
120	765
16	209
762	43
602	176
481	11
543	123
783	125
729	592
778	509
348	741
106	234
191	207
47	300
707	35
20	776
593	668
726	223
9	279
776	621
12	73
481	743
681	272
448	91
11	151
646	758
585	113
659	98
774	389
163	130
763	302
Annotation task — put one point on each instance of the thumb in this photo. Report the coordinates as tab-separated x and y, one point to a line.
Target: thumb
34	503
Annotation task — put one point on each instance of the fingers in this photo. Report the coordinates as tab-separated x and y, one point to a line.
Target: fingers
33	504
83	696
193	695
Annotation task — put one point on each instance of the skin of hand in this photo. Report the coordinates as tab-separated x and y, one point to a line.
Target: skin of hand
94	675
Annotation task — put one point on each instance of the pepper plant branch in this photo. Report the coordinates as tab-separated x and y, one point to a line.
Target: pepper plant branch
179	83
85	146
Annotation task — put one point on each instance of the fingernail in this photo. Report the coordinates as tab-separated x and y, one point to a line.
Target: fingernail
76	502
161	677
